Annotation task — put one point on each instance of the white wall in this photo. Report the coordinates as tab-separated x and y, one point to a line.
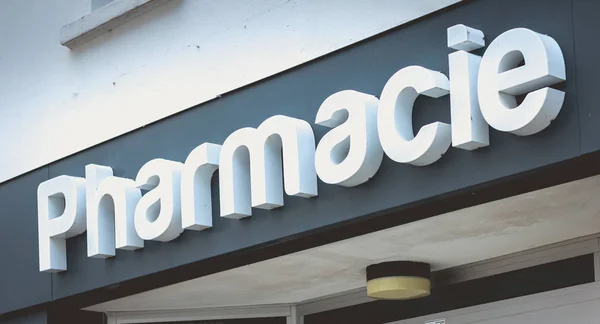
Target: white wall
55	102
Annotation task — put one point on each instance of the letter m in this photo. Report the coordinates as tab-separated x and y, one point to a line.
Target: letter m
251	163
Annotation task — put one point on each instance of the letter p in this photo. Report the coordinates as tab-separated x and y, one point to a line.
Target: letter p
61	214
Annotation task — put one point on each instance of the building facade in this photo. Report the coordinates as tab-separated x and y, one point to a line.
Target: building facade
245	162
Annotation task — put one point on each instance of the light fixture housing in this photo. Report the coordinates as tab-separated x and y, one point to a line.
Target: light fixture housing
399	280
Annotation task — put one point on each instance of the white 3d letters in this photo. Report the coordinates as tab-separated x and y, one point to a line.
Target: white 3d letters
394	120
110	210
256	165
501	79
158	213
350	153
241	190
469	128
196	206
61	214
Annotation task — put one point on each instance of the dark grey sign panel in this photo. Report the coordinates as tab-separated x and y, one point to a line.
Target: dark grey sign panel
586	26
21	282
298	93
37	317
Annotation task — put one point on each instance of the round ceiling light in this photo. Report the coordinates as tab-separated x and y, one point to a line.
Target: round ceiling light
398	280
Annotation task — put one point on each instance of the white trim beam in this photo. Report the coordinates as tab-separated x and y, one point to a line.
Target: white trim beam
217	313
521	260
520	305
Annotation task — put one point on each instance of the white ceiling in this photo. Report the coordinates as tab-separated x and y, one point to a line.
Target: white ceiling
473	234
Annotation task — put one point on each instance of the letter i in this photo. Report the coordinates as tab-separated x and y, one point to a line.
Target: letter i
469	129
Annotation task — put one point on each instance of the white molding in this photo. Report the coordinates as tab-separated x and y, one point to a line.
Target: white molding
349	298
295	317
520	305
104	19
597	266
216	313
521	260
